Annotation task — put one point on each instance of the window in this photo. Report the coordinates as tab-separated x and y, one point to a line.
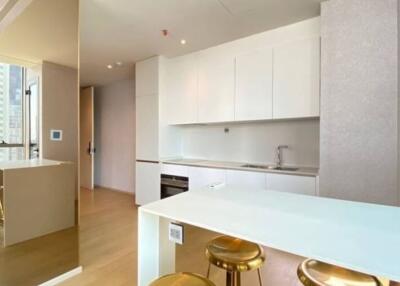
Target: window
19	115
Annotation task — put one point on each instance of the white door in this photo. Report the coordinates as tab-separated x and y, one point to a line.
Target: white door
292	184
297	79
87	137
181	81
216	82
147	128
253	99
147	77
148	182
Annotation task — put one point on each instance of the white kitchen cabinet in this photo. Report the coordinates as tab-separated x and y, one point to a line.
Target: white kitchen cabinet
216	82
175	170
147	77
292	184
246	179
201	177
147	182
147	128
296	89
181	95
253	99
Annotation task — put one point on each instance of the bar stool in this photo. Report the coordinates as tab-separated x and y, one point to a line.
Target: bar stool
315	273
234	256
182	279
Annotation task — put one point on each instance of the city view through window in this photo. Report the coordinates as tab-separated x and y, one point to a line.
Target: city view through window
11	112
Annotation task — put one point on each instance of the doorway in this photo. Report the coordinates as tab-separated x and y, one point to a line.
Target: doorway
87	149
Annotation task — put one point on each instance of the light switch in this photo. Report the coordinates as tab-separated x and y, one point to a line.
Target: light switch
55	135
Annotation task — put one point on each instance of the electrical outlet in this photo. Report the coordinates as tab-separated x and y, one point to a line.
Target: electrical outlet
175	232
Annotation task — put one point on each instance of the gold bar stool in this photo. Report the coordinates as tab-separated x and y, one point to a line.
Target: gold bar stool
315	273
234	256
182	279
1	206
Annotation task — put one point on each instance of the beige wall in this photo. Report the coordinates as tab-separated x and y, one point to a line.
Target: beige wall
60	111
114	160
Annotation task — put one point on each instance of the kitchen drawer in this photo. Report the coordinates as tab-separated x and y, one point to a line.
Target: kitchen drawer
174	170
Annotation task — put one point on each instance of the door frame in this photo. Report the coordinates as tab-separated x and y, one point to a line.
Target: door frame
88	146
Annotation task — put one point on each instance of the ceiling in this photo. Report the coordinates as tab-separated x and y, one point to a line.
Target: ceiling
130	30
47	30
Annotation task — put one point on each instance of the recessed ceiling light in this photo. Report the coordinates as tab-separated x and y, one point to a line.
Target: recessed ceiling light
183	42
118	63
109	67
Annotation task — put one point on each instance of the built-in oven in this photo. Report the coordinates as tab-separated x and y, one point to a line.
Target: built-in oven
173	185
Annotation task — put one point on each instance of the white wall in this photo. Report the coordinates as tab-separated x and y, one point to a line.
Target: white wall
114	113
254	142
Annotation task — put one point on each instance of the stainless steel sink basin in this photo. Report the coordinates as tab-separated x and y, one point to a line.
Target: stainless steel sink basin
269	167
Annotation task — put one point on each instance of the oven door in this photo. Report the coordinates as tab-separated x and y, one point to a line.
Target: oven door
173	185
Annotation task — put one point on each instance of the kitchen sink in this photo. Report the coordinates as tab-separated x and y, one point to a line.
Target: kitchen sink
269	167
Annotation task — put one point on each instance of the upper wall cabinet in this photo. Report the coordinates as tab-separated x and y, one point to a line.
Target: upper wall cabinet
297	79
253	98
181	94
147	77
216	87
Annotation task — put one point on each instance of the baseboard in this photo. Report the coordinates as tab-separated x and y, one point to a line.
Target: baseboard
114	190
61	278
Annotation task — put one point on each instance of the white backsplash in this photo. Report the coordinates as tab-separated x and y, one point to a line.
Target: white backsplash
254	142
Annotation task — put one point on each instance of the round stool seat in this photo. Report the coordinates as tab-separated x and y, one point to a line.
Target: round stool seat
234	254
315	273
182	279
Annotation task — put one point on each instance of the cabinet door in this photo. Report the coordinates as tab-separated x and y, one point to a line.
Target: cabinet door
246	179
297	79
253	99
181	96
202	177
174	170
292	184
147	77
147	183
216	88
147	128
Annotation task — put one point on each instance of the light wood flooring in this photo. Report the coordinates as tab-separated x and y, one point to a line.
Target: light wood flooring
108	247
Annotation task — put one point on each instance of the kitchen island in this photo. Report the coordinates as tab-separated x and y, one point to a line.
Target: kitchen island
357	236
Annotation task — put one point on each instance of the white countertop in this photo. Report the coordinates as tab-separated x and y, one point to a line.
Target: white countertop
302	171
17	164
358	236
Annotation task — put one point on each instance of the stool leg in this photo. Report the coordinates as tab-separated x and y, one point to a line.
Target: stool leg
208	270
233	278
259	276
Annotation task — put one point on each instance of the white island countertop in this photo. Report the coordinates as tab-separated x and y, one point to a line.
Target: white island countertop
17	164
358	236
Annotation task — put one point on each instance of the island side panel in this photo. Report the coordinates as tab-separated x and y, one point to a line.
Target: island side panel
156	255
38	201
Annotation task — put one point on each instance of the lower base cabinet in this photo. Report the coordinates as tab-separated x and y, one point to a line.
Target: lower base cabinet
200	177
292	184
147	182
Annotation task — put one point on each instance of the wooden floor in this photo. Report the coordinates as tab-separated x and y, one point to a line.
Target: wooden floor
108	247
108	239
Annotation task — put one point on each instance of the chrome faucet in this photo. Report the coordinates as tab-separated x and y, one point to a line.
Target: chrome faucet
279	154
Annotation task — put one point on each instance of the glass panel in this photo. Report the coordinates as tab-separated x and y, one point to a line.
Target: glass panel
11	127
34	121
14	153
